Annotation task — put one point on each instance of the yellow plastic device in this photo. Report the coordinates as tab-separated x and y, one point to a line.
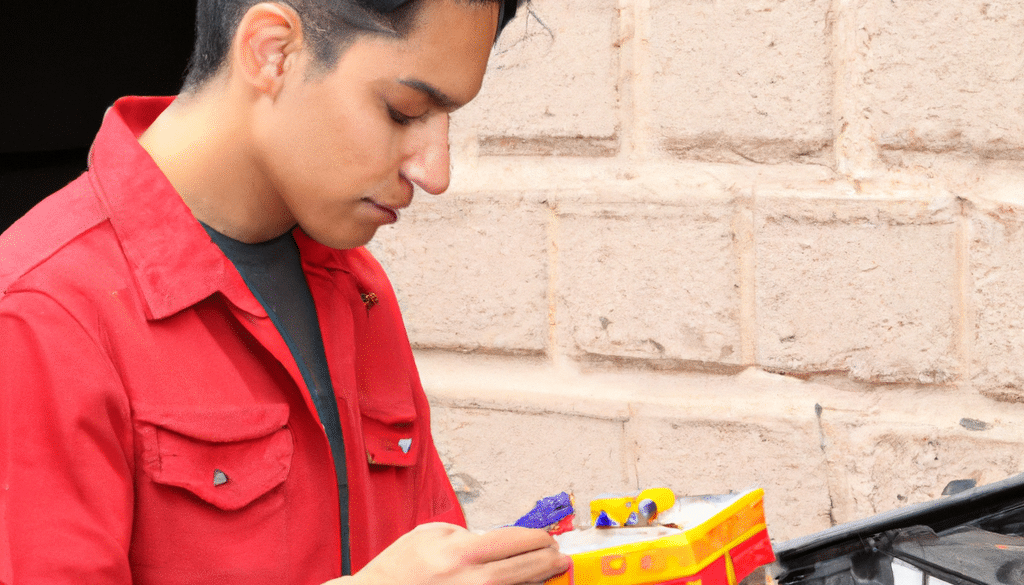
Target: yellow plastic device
619	508
719	551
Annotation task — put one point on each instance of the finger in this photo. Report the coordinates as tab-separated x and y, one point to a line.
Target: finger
512	541
534	566
441	528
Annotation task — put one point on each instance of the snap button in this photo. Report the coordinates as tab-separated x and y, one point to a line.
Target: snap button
219	477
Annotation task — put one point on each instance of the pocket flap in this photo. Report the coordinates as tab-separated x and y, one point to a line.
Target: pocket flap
226	457
217	425
395	444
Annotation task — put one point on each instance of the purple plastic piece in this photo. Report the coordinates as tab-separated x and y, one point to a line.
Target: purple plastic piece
548	511
648	508
604	521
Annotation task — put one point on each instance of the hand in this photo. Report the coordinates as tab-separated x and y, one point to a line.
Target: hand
436	554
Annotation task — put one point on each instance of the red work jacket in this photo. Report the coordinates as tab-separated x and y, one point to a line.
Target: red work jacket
154	427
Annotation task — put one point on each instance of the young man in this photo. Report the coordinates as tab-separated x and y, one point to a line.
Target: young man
204	378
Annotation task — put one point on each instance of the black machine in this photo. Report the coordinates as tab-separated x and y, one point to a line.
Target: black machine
972	537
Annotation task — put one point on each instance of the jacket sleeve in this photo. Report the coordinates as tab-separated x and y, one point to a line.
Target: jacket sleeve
66	450
438	501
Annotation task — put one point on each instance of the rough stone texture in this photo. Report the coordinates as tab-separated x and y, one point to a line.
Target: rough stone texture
471	273
997	267
945	76
502	462
650	281
713	455
882	467
742	80
884	267
513	430
863	286
902	445
551	82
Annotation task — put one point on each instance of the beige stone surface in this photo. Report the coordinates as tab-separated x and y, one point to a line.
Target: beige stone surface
652	195
621	180
944	76
996	237
696	434
880	466
512	430
741	80
711	453
864	286
648	281
551	83
471	272
502	461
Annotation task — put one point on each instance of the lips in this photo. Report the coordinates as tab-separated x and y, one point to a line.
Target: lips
390	212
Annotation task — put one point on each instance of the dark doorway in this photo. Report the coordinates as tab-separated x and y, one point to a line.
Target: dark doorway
65	64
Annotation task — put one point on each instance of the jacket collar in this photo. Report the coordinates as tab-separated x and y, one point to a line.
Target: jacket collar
174	262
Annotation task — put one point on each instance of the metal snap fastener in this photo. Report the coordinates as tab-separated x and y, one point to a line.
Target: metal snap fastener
219	477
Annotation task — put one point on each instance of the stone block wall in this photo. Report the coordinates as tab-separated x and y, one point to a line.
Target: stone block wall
716	244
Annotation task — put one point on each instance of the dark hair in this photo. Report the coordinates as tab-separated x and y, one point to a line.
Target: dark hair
328	27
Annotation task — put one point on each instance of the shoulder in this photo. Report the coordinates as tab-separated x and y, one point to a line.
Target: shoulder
56	240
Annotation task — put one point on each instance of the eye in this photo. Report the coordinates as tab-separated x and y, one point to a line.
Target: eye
400	118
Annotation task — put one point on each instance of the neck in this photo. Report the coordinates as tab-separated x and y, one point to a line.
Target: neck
202	143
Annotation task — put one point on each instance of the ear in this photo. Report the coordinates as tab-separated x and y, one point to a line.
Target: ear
266	45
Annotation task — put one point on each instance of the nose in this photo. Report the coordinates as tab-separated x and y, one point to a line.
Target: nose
428	164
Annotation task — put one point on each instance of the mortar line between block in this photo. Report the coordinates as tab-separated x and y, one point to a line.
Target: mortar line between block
622	48
744	227
553	225
965	314
856	155
638	68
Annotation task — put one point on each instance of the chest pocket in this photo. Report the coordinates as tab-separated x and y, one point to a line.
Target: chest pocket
391	443
392	427
228	457
385	375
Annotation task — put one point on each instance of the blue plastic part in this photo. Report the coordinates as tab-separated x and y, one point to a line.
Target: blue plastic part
604	521
648	508
632	520
548	511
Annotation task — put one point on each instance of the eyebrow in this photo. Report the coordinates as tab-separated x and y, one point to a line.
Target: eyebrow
437	96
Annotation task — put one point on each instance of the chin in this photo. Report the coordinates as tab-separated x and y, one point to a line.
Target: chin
342	241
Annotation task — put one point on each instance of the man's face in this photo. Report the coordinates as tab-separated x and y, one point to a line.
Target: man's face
342	150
